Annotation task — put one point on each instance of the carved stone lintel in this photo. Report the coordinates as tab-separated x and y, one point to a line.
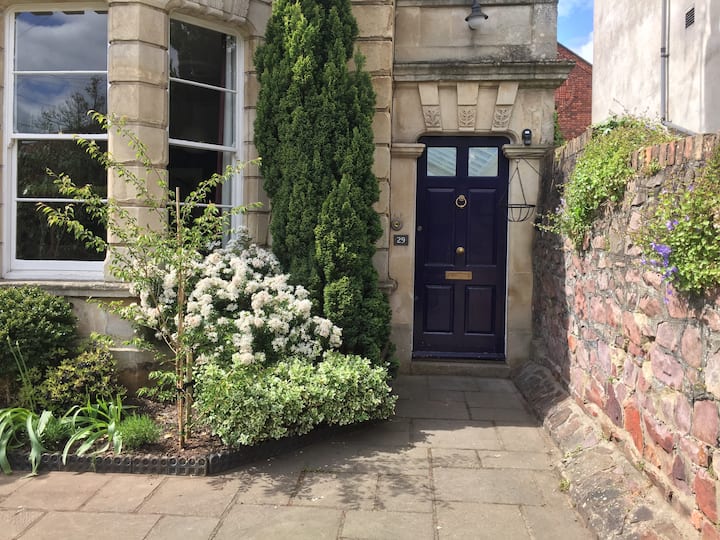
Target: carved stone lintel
501	118
432	117
466	118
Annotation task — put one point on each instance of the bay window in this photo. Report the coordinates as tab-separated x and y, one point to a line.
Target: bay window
57	70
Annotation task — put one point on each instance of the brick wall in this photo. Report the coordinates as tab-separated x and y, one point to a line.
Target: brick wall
644	364
573	100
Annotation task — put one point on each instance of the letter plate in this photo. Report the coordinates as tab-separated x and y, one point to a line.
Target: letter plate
455	275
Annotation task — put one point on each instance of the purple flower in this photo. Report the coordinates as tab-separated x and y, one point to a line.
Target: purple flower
671	224
663	250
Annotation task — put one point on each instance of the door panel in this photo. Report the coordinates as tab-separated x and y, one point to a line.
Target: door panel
461	242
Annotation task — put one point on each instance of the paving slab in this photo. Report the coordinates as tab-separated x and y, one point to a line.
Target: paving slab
108	526
486	486
462	521
192	496
182	527
251	522
455	458
337	490
360	524
404	494
56	491
471	434
122	493
15	521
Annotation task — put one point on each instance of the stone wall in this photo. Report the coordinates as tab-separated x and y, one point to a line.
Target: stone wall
642	361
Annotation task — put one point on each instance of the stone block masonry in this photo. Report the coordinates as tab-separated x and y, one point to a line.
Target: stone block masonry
643	361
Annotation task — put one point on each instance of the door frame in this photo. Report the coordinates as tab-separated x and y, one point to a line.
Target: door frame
499	141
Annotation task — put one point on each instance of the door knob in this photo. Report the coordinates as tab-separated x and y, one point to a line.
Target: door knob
459	250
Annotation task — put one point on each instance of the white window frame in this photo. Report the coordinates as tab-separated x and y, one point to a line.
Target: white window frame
14	268
235	183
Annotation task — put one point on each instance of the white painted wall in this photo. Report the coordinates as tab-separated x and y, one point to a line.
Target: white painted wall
626	63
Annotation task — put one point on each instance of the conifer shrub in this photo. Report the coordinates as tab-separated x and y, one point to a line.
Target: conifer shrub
314	134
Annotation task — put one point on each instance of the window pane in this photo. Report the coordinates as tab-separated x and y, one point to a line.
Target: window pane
61	41
36	240
198	114
441	161
34	157
189	166
201	55
59	103
482	162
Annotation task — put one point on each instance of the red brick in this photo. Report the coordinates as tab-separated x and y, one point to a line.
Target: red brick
632	425
705	494
705	421
573	99
710	532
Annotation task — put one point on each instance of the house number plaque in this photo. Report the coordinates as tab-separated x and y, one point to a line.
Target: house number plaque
456	275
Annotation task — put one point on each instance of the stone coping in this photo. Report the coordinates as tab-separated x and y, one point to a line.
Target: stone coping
612	495
196	465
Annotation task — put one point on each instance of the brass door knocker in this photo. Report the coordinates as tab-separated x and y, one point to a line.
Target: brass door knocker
461	201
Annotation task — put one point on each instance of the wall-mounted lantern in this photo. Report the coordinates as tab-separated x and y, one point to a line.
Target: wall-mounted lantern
476	15
527	137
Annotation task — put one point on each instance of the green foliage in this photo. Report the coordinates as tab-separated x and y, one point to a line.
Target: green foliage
95	427
248	404
89	376
40	326
352	299
163	387
601	174
155	261
18	427
681	234
314	134
56	434
138	430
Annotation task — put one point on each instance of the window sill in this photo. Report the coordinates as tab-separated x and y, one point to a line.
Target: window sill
83	289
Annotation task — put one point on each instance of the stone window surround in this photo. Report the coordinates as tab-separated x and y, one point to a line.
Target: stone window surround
138	35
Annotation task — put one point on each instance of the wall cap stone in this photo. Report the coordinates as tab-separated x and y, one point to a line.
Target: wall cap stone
103	289
546	74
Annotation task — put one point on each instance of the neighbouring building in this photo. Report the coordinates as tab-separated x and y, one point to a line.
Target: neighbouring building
573	99
452	106
658	59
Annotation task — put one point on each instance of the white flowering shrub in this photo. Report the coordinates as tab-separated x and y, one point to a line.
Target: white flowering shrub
249	404
242	310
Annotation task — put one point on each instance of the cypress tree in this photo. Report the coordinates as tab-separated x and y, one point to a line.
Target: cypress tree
314	134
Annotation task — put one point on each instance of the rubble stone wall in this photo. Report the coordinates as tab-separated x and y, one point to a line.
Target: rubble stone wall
640	359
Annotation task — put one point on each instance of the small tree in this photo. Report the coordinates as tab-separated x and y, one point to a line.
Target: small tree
314	134
158	263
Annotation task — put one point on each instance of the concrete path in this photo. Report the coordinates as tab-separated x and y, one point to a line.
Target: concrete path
462	459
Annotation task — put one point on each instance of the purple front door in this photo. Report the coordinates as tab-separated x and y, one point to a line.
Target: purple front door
461	245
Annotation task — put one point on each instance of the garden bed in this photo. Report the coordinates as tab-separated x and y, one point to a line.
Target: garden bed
194	461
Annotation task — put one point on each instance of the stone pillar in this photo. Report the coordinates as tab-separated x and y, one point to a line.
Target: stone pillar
138	79
403	170
524	183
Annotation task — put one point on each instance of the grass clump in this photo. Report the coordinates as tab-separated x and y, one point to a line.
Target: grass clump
138	430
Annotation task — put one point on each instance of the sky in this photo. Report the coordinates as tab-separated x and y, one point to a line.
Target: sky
575	26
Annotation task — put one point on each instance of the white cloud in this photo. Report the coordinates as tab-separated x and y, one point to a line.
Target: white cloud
568	7
586	49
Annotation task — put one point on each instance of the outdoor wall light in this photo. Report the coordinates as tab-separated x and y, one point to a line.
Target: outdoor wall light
527	137
476	15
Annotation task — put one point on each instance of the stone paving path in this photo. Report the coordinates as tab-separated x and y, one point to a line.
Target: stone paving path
461	459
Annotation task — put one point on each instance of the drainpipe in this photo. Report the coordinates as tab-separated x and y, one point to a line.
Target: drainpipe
664	55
